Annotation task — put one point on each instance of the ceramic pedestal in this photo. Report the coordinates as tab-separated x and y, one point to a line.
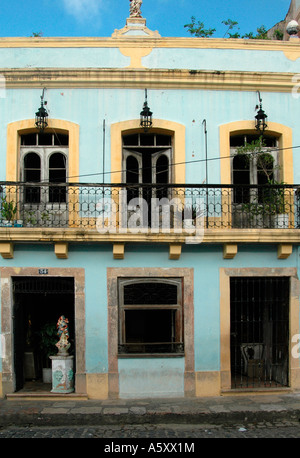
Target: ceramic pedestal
62	374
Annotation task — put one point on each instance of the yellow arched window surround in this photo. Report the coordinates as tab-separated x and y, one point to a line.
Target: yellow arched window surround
16	129
160	126
284	135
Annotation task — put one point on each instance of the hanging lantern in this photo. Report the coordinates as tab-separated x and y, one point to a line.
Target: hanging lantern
261	117
146	115
41	115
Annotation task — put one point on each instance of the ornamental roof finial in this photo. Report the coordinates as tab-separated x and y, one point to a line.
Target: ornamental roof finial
135	8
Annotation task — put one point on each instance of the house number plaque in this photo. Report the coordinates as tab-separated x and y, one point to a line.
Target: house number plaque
43	271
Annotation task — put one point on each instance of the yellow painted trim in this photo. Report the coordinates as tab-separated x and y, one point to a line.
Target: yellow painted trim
284	134
97	386
118	250
207	383
131	77
61	250
168	127
285	146
230	250
135	55
284	250
15	129
155	42
88	234
7	250
175	251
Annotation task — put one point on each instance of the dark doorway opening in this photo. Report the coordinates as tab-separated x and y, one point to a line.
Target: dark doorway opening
39	302
259	331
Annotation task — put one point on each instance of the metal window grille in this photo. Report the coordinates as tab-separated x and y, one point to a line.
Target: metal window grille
259	308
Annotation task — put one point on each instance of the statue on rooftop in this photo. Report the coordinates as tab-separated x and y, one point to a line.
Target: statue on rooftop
135	8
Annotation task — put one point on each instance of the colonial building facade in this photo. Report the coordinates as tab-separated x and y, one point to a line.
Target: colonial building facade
152	203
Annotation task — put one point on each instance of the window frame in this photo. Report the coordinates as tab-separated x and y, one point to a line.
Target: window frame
45	152
176	308
253	169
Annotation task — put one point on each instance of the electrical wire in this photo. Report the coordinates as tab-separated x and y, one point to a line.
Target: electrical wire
194	161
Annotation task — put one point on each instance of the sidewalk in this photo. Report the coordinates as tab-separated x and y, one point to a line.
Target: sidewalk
211	410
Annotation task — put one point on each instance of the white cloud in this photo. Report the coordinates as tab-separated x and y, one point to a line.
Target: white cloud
83	9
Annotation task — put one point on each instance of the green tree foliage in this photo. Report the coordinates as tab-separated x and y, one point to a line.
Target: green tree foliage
37	34
231	25
278	34
260	35
197	29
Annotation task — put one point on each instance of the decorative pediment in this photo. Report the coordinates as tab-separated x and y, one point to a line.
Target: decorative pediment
135	28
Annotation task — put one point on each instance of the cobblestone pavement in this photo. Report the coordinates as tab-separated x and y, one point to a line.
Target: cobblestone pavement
279	429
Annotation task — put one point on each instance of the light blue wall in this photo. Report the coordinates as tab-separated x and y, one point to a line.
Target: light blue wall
62	58
206	262
221	60
183	58
146	377
185	107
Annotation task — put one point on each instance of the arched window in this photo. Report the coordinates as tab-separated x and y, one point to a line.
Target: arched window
241	176
57	174
146	160
44	165
162	169
32	174
44	158
254	162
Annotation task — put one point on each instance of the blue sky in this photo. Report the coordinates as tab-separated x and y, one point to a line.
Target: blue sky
57	18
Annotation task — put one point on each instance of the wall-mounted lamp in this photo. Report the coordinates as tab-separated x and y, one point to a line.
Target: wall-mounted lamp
261	117
146	115
41	115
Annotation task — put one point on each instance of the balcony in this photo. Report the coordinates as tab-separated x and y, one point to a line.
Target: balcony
90	205
166	213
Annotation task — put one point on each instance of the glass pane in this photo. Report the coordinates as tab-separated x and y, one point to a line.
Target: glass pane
32	161
150	293
61	139
147	139
148	325
162	169
131	140
45	139
57	161
28	140
163	140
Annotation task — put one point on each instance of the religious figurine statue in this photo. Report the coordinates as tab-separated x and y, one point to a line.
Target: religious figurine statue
63	345
135	8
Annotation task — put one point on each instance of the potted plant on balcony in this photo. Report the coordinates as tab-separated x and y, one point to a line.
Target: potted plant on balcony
8	211
189	215
45	218
30	218
266	206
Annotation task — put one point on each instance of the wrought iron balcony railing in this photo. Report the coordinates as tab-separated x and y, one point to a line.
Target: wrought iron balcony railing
159	207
